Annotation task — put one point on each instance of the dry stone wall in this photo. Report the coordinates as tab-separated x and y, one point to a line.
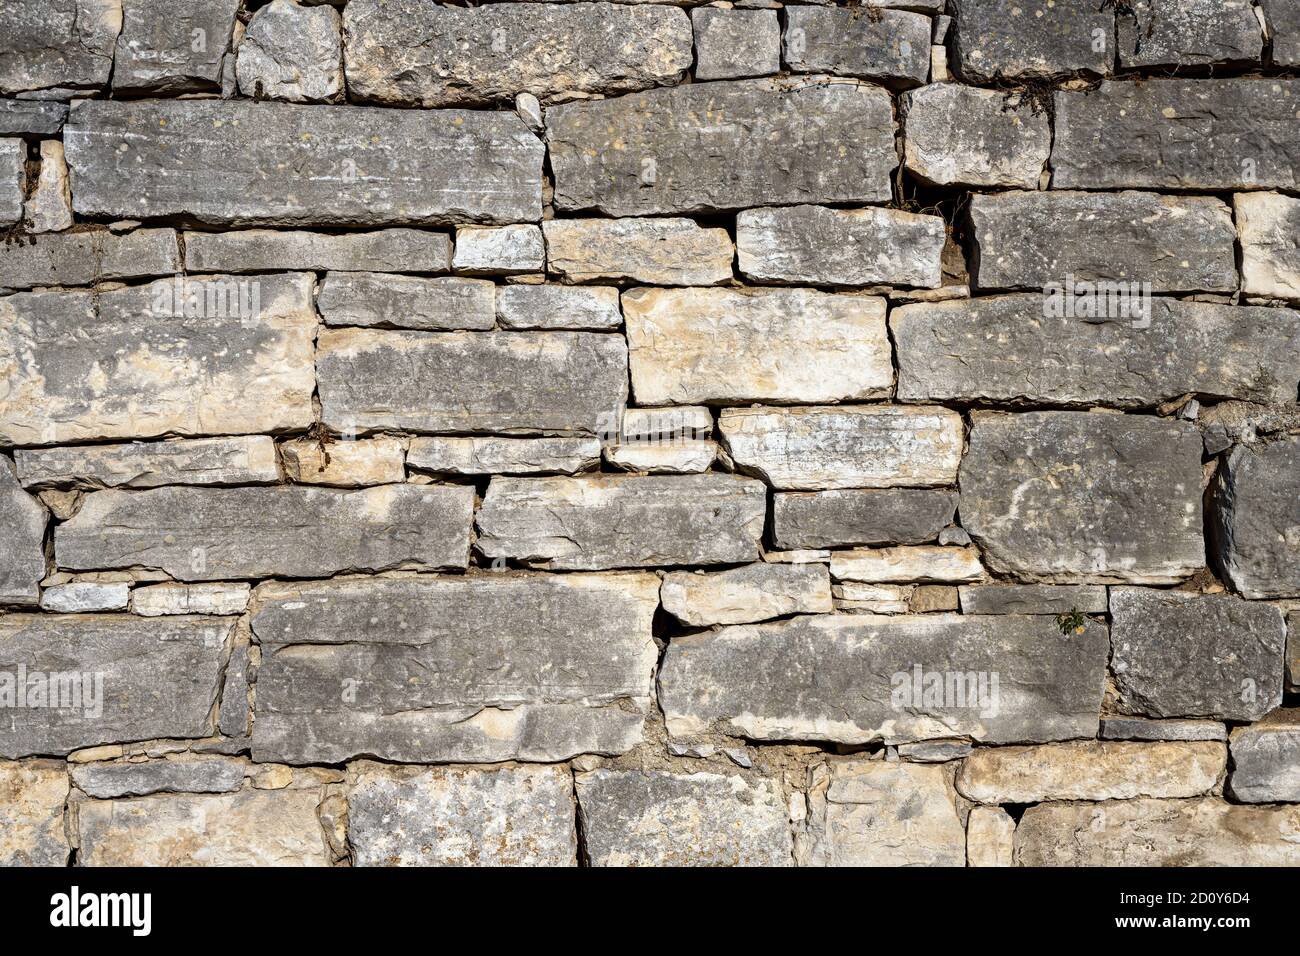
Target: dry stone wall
649	433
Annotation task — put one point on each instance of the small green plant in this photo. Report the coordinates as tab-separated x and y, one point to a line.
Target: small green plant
1071	623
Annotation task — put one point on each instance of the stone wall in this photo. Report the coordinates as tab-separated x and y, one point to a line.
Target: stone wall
646	433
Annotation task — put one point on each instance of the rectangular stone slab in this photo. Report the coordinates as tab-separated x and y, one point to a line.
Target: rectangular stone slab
32	831
1033	599
892	47
190	461
22	531
836	518
1179	134
268	250
237	162
1190	33
1005	349
1256	519
85	258
31	118
851	679
484	668
471	381
632	155
1030	39
58	45
120	677
215	534
79	366
407	302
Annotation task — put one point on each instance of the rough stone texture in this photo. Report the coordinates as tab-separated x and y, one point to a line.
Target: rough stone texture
558	307
120	677
49	208
111	780
420	54
1078	497
1267	224
662	251
1178	134
1028	240
1190	33
868	446
289	165
53	45
567	524
842	131
832	519
192	461
31	118
499	250
848	247
1284	24
22	529
87	257
832	678
1139	728
1256	518
1226	663
160	599
172	48
81	597
481	669
1293	649
503	456
212	534
292	52
1204	832
515	816
32	795
407	302
659	818
270	250
735	44
754	592
1033	599
990	837
961	134
870	813
1266	760
901	565
150	368
491	381
345	464
891	47
250	828
13	180
1007	349
1031	39
721	345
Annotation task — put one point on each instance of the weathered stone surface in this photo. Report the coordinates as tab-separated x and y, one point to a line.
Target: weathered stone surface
81	597
891	47
658	251
32	795
470	381
735	44
481	669
615	521
558	307
1266	760
292	52
292	165
1256	518
173	48
159	599
58	45
975	137
872	813
13	180
515	816
407	302
31	118
1284	24
112	780
1033	599
867	446
855	598
754	592
847	247
1204	832
233	718
87	257
345	464
250	828
1226	661
499	250
928	598
1010	348
832	519
658	818
990	837
421	54
151	369
1139	728
1190	33
1267	224
1178	134
269	250
1091	770
1079	497
49	207
1230	423
1031	39
190	461
679	457
1293	649
116	677
850	678
22	529
842	132
903	565
211	534
667	423
935	751
725	345
504	456
1029	240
